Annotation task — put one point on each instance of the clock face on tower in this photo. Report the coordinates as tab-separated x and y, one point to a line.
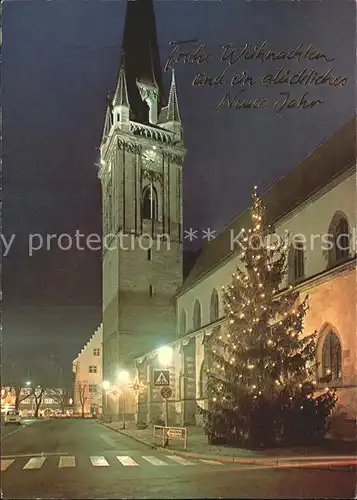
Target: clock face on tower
149	156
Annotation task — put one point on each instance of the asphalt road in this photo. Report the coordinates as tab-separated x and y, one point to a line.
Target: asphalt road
83	459
6	430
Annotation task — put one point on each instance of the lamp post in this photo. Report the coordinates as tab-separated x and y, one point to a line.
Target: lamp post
123	379
106	385
28	384
165	354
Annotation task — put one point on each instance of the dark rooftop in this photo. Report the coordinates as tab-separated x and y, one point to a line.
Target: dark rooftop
336	155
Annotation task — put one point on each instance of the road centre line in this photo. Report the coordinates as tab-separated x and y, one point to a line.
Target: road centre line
33	455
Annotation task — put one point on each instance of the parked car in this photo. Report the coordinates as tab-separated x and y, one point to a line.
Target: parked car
12	417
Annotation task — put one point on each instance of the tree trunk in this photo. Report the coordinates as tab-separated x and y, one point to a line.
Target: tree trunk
17	401
37	408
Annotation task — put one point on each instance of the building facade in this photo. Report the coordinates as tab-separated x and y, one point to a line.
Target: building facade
316	201
146	303
141	177
53	401
87	376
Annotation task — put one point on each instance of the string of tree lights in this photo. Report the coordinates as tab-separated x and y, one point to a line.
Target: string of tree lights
261	380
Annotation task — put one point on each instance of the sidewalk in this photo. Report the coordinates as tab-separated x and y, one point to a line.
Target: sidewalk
198	447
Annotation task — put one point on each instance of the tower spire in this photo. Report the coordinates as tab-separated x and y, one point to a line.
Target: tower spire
121	93
107	121
121	106
170	115
173	111
142	61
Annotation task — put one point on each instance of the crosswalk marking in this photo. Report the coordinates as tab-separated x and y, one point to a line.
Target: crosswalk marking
5	464
127	461
67	462
99	462
180	460
212	462
154	460
35	463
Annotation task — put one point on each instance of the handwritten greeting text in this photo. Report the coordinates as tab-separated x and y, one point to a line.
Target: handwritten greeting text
194	52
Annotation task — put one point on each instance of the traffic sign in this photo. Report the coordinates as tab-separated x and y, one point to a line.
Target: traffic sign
166	392
176	433
161	377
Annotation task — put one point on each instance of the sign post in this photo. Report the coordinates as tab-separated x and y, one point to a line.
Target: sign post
161	378
166	393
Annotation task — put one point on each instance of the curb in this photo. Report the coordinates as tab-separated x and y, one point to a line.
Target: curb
122	431
288	462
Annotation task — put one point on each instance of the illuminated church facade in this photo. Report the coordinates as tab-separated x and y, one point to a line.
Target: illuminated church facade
148	303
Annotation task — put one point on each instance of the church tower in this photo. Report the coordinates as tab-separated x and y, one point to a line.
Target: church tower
142	154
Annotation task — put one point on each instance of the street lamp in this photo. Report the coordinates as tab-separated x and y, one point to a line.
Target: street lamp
28	383
106	385
165	355
123	379
123	376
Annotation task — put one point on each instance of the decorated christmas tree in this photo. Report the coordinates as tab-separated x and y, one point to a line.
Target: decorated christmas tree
261	385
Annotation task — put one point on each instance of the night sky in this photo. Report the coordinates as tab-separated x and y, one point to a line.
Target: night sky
59	60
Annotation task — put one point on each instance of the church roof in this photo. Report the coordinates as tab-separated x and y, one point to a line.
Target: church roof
328	161
142	58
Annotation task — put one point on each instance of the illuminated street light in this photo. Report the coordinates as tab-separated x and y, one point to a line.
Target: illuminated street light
105	384
165	355
123	376
70	401
28	383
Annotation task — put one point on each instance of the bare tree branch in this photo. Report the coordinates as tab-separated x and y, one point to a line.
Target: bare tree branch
82	396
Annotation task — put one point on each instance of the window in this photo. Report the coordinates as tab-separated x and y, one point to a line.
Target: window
48	401
108	207
299	264
92	389
331	358
151	290
341	240
96	351
149	203
214	307
92	369
197	315
339	231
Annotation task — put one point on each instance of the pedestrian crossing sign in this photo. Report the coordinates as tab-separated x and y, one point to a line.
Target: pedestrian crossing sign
161	377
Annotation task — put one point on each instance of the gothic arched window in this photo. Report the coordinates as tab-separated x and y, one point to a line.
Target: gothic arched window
149	203
214	306
331	357
197	315
340	238
299	264
108	207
